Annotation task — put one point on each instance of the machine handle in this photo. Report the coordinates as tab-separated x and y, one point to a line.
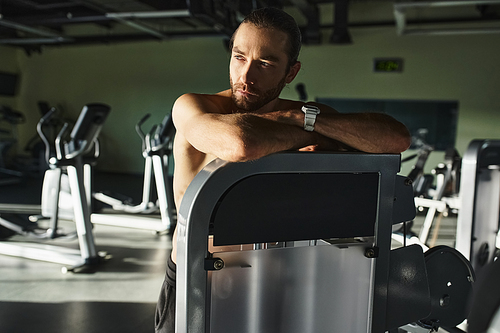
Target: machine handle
165	134
139	131
148	139
59	143
83	147
39	129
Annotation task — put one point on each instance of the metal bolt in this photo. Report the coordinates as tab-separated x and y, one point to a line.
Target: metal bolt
370	253
444	301
218	264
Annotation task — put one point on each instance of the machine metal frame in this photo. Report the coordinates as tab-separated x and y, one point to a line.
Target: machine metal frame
197	267
71	157
478	218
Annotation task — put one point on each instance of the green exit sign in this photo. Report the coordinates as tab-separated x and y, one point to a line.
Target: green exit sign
388	65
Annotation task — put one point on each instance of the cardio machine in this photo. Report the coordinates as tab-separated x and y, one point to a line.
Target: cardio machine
147	205
157	153
71	160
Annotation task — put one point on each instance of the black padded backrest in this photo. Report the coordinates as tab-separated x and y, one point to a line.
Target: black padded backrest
296	206
89	124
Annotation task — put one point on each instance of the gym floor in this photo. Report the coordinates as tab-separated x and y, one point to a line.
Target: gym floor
120	296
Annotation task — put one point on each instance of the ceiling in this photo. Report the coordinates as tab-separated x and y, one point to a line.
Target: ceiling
33	24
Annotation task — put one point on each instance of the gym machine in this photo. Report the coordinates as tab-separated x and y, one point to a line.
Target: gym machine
147	206
71	159
158	146
439	199
7	140
319	227
485	314
444	197
157	151
421	182
478	218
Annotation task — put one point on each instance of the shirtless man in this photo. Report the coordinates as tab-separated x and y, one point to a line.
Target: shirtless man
249	120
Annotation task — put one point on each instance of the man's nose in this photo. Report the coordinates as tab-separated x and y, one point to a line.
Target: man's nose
249	73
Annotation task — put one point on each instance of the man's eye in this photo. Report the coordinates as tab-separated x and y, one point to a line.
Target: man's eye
265	64
238	57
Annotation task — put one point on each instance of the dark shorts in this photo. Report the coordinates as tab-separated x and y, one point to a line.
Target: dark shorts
165	308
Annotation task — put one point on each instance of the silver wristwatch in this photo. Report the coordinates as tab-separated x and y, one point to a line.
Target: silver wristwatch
310	112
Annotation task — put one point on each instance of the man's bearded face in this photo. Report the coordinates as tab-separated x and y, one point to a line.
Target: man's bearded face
248	98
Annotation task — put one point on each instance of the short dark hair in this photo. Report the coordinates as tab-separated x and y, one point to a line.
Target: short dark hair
274	18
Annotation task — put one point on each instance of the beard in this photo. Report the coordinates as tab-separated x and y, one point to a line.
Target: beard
258	99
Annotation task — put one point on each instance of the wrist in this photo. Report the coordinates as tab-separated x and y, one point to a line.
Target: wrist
310	114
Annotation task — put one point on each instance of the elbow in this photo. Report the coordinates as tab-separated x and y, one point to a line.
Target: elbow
241	152
404	140
243	149
401	140
242	144
395	137
405	145
397	141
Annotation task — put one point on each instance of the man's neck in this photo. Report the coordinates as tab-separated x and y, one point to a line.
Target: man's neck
270	107
274	105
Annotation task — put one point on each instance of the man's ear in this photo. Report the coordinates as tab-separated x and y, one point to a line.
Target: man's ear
292	73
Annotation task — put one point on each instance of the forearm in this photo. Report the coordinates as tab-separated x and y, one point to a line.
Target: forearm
265	137
368	132
244	137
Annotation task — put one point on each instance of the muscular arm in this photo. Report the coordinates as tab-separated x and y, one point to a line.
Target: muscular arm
210	127
206	129
367	132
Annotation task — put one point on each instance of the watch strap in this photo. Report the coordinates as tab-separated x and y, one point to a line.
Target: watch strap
310	113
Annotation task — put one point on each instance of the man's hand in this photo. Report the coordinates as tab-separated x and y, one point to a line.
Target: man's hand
322	143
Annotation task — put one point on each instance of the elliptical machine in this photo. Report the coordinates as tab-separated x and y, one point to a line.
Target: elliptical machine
71	159
157	152
146	206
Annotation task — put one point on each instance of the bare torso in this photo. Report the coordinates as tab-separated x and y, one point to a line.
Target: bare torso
189	161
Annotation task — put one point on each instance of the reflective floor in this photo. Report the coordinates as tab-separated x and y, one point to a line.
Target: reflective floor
120	296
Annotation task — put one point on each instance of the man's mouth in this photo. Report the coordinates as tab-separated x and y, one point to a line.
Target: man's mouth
245	90
246	93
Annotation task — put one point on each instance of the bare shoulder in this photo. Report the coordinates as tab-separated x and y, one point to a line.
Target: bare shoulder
210	103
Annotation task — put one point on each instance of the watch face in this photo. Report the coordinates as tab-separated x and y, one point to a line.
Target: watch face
310	109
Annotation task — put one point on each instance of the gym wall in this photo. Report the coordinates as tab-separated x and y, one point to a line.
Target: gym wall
9	64
461	68
138	78
134	79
